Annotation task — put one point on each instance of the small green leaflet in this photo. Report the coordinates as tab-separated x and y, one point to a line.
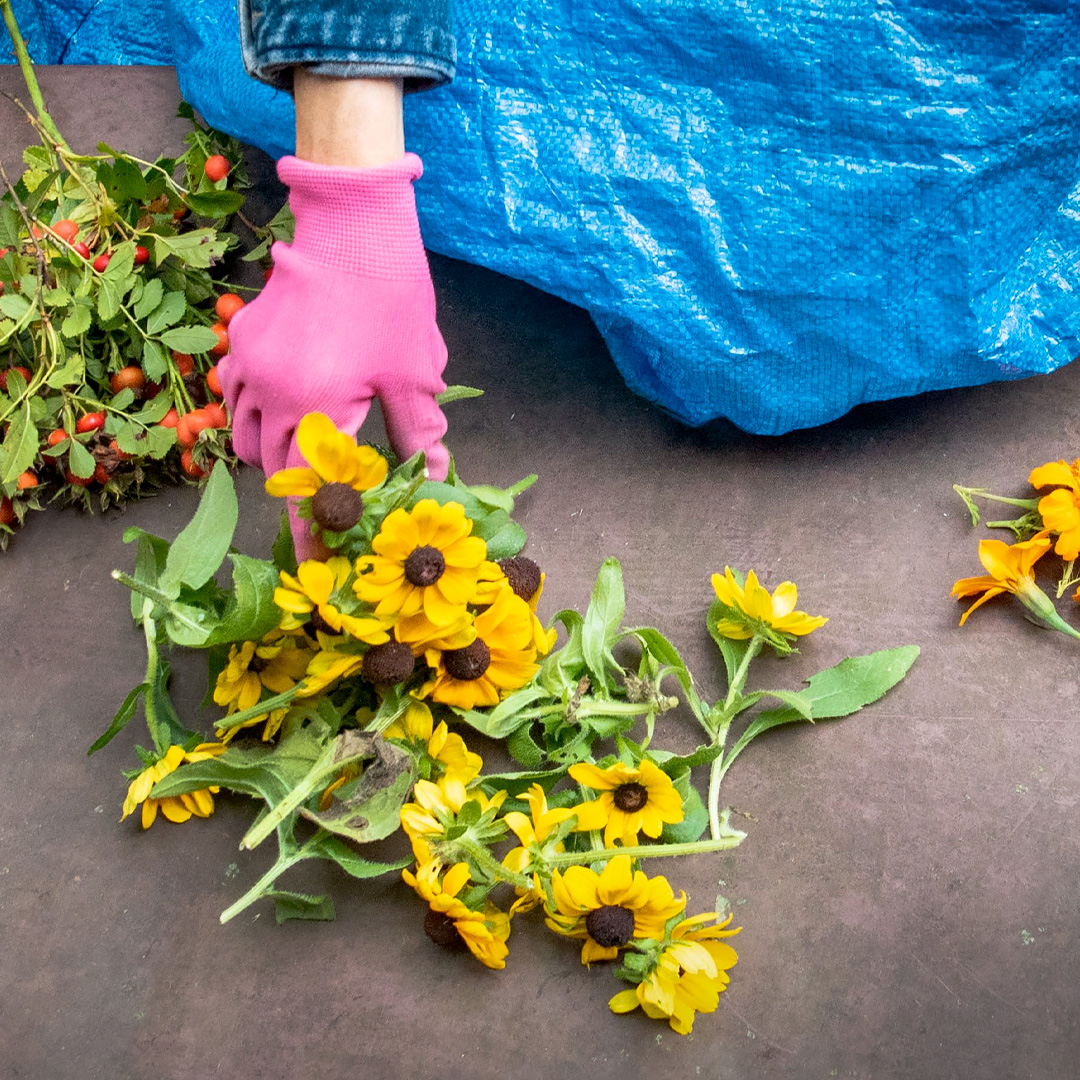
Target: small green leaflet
190	339
169	312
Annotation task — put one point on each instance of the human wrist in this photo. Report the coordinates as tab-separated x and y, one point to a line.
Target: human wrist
355	123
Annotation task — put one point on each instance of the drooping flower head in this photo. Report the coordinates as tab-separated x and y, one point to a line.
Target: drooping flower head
688	976
611	908
451	923
441	750
278	663
500	658
426	560
526	579
311	593
436	806
339	471
630	801
532	833
750	609
1060	510
176	808
1010	570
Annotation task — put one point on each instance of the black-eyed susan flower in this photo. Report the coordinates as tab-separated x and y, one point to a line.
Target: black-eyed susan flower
311	592
690	973
437	805
533	833
425	559
500	658
339	471
611	908
1010	570
441	747
452	924
753	610
326	667
176	808
526	579
278	663
631	800
1060	510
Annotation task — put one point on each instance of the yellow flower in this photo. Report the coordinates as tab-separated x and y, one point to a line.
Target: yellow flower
333	457
610	908
1060	510
309	593
278	663
530	831
451	924
500	658
487	590
753	609
689	976
1009	569
175	807
440	743
631	801
425	560
326	667
438	804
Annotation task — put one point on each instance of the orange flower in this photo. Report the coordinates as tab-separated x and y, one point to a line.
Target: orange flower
1009	569
1060	510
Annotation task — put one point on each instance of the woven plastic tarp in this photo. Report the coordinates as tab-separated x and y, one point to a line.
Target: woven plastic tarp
773	210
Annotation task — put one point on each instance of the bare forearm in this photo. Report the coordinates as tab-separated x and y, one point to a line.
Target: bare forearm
350	122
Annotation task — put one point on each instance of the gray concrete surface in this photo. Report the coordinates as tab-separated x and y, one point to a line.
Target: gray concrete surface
908	889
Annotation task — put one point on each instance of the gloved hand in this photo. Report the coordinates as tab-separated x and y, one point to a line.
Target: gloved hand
348	314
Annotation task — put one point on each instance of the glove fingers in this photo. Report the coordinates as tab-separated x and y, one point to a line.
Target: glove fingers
414	422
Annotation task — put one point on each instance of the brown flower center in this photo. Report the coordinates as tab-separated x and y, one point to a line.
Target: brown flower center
317	622
390	663
424	566
468	663
337	507
631	797
522	574
441	929
610	926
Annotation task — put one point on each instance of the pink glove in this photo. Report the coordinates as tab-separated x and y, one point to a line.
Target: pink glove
348	314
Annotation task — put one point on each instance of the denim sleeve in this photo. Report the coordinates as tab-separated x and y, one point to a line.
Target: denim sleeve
411	40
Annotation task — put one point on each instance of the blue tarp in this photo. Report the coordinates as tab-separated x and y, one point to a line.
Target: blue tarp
773	211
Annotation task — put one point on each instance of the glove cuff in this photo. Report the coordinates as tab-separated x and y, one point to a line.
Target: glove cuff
361	221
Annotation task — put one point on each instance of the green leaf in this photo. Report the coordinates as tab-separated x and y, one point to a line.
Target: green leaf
199	248
154	366
330	847
155	409
215	204
169	312
457	393
151	297
838	691
80	460
294	905
149	562
675	764
266	772
10	223
188	625
77	322
198	551
603	617
190	339
108	300
505	541
284	553
118	272
523	749
70	373
250	612
373	810
662	649
505	718
732	651
694	823
130	182
121	719
163	720
20	446
14	305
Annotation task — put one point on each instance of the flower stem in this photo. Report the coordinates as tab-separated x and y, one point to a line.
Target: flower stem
26	65
260	886
643	851
490	865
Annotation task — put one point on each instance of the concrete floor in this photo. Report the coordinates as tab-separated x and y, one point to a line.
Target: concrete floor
908	888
